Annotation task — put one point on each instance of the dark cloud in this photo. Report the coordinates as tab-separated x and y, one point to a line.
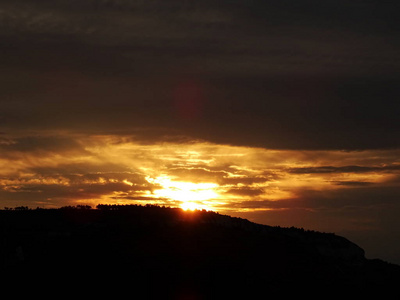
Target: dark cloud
246	191
94	169
354	199
287	75
353	183
343	209
39	145
343	169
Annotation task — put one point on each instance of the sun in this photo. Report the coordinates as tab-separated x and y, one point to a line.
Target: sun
190	195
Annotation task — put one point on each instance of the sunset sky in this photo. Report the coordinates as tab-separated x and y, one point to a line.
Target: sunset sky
282	112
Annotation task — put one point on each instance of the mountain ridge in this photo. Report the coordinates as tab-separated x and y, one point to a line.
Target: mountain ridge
206	253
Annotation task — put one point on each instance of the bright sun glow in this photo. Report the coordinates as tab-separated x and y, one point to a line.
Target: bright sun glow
189	194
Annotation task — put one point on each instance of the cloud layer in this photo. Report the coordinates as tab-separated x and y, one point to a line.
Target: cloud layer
284	75
337	191
95	167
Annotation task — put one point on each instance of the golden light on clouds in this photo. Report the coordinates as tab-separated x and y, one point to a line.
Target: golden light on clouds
194	174
188	194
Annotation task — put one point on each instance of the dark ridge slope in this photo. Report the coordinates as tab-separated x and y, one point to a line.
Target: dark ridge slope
172	253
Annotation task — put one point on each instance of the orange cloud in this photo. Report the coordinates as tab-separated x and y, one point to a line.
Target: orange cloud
114	168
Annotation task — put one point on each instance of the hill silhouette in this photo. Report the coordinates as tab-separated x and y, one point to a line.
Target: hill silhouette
169	253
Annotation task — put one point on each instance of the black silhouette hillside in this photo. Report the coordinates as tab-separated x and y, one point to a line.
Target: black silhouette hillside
168	253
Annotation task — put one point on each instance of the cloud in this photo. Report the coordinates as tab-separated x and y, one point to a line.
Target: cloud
339	191
62	189
246	191
40	145
342	209
353	183
115	166
343	169
280	76
228	37
83	168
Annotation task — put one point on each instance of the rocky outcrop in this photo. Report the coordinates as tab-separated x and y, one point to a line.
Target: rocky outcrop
340	248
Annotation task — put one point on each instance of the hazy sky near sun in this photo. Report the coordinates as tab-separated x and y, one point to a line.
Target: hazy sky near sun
284	112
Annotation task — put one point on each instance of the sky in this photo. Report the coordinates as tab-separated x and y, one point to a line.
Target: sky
284	112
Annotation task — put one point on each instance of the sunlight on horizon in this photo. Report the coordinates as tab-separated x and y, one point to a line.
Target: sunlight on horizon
197	175
190	195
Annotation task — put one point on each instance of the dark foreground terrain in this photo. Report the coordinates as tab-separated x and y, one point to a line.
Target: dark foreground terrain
167	253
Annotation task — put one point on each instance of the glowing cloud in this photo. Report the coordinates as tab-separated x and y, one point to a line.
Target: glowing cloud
119	169
187	193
